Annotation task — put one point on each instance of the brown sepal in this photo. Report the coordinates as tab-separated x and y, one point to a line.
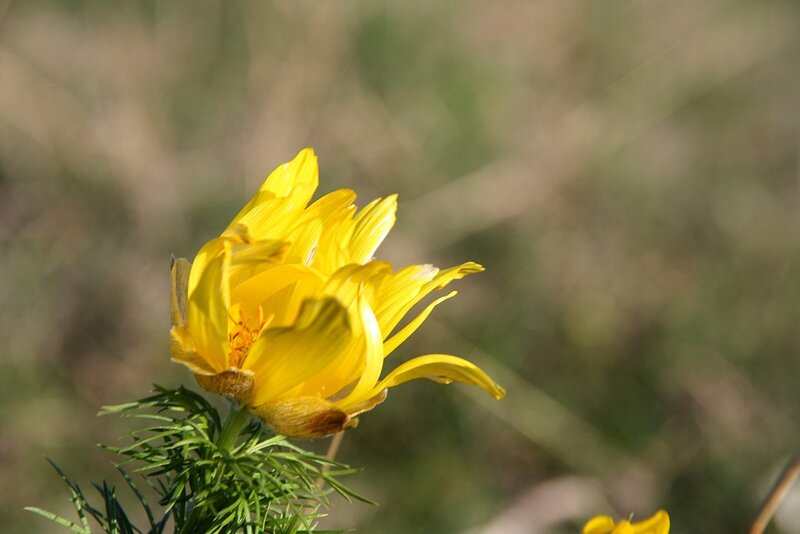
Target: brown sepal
233	383
304	417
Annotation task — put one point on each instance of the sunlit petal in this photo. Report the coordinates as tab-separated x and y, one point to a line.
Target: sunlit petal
207	314
440	368
295	180
411	285
372	225
257	290
372	357
658	523
601	524
284	357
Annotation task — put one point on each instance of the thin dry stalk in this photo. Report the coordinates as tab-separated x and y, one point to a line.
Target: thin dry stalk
776	495
333	449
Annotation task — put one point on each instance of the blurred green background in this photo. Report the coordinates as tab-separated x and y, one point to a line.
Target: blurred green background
627	171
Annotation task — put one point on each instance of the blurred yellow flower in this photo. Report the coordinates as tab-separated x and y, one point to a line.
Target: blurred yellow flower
602	524
288	313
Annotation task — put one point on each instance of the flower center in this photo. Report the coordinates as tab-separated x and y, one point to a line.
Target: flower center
243	332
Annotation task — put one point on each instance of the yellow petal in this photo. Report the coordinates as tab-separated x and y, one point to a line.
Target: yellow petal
207	314
269	219
282	358
372	225
304	417
393	342
286	303
340	378
368	404
443	278
658	523
250	259
257	290
441	368
299	177
257	203
207	253
372	357
601	524
354	280
296	180
397	290
335	210
410	285
304	240
183	351
333	207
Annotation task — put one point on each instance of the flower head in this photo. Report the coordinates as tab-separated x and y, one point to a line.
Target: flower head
658	523
288	313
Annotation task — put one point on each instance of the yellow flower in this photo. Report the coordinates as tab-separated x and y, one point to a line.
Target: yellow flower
288	313
602	524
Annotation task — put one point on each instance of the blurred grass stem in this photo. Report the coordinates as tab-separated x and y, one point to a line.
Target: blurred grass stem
333	449
776	495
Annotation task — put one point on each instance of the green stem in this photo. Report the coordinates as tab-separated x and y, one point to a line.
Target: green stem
237	418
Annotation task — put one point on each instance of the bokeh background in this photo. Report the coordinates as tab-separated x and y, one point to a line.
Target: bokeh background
627	171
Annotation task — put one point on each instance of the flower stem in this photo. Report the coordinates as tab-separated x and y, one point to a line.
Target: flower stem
238	417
